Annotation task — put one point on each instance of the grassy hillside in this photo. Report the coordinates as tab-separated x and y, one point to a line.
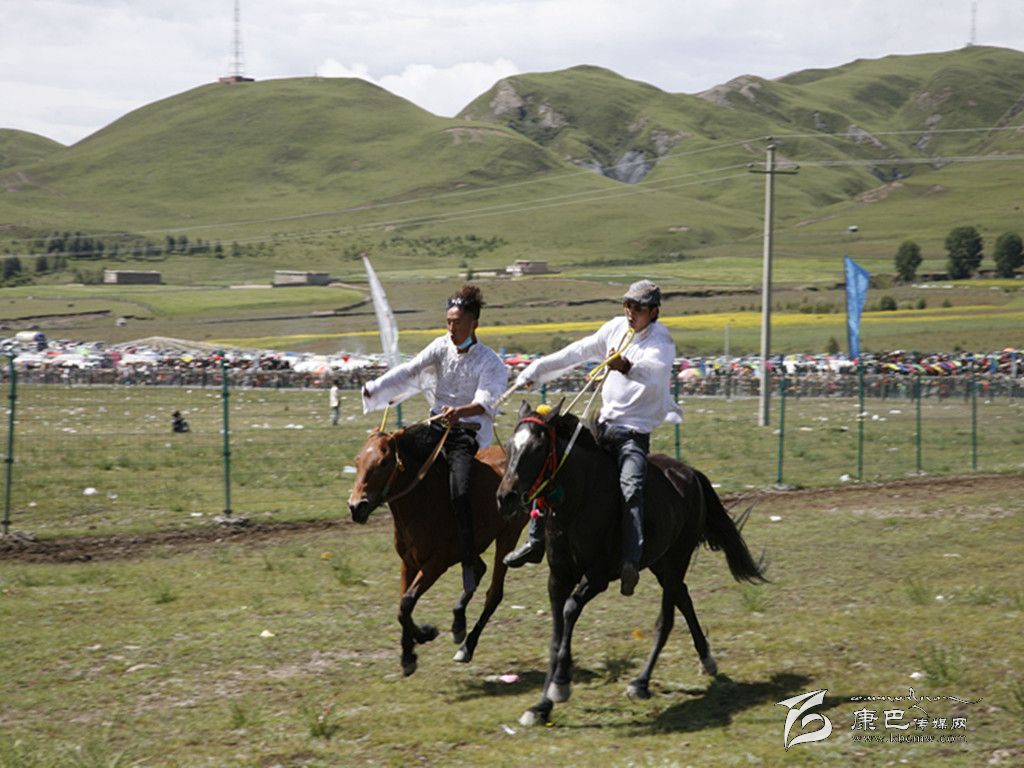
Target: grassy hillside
221	154
23	148
308	173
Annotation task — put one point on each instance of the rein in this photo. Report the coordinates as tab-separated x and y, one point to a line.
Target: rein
551	461
600	372
400	467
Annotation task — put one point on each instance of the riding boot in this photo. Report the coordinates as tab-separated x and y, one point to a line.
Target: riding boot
532	550
467	548
632	546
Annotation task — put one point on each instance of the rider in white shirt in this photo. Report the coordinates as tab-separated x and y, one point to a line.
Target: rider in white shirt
463	381
636	397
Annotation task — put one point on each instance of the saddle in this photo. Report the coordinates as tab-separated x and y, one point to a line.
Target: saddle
676	472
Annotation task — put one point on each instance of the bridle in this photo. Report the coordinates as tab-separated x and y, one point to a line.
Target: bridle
400	467
551	466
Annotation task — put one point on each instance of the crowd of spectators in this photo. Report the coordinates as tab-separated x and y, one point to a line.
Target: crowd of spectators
172	362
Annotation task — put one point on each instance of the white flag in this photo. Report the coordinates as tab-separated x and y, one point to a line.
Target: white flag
385	317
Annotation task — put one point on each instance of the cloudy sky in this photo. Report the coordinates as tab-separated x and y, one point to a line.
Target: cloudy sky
69	67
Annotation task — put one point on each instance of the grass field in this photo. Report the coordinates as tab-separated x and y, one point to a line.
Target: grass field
305	173
284	651
103	460
529	315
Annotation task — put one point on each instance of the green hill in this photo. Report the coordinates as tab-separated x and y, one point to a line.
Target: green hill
600	120
269	149
21	148
582	167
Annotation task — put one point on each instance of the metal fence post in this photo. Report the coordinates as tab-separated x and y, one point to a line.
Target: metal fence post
860	422
974	422
225	397
917	428
782	426
9	458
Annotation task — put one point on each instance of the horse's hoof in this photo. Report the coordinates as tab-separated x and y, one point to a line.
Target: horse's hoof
710	665
637	690
463	656
530	719
459	636
559	692
408	667
427	632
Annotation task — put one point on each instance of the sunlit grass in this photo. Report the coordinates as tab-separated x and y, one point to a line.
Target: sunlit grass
104	459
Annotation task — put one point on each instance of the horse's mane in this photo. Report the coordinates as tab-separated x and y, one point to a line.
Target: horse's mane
416	442
565	425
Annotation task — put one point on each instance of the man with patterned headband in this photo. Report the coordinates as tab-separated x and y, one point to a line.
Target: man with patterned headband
463	380
636	397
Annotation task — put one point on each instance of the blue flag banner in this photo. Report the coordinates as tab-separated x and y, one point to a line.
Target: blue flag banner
857	279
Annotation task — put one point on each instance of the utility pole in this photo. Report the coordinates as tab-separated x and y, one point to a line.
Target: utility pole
769	171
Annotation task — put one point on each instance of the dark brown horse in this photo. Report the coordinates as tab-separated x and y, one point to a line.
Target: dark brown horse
681	511
387	468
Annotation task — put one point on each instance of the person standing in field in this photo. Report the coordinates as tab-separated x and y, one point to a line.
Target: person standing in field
463	380
334	400
636	397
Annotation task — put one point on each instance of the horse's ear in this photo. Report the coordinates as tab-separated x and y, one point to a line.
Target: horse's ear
553	413
524	409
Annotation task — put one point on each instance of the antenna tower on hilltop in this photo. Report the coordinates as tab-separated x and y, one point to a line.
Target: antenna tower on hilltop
974	23
237	63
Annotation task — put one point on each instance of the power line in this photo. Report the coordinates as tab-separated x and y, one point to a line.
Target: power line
582	196
919	132
939	159
494	210
428	198
501	209
618	190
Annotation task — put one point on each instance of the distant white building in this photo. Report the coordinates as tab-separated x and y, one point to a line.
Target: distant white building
290	277
132	277
522	267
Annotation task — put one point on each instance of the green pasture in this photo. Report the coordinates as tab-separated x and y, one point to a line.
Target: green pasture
286	652
172	302
103	460
977	315
305	173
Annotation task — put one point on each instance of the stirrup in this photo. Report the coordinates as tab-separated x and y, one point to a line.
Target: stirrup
530	552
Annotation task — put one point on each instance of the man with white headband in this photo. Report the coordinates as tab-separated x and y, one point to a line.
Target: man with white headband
636	397
463	381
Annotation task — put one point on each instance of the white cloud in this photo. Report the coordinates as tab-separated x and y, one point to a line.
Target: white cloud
441	90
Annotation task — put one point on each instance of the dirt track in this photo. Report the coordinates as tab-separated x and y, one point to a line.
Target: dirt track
118	547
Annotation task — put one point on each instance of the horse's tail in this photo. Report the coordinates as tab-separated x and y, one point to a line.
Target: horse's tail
721	532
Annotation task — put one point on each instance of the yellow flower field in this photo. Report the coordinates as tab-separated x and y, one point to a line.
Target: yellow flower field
709	322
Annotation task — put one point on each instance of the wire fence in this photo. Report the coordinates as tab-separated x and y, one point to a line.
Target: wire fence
102	459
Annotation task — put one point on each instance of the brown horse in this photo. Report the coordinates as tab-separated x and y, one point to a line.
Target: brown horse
387	469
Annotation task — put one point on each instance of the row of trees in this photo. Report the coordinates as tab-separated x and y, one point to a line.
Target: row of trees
964	252
78	246
13	272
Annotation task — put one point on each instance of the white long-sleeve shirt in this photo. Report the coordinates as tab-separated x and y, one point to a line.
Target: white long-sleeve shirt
640	399
446	377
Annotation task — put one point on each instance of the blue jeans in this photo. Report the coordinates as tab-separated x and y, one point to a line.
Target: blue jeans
631	448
